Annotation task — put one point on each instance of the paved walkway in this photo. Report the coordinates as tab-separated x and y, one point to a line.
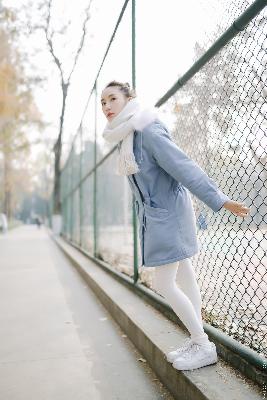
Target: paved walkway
57	341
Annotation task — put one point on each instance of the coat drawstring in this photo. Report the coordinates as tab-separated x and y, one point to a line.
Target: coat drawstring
144	222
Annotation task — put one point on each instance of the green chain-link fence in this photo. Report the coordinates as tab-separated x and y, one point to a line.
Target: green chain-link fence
218	117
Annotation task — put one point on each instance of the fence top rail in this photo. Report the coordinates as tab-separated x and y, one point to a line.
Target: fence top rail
237	26
105	55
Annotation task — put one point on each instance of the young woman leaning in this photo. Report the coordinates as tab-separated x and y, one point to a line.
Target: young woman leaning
161	177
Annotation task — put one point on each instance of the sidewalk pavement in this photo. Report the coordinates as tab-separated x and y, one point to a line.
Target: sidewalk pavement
57	341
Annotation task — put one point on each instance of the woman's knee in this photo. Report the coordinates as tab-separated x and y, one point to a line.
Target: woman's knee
164	278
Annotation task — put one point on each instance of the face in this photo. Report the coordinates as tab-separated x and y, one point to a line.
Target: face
113	100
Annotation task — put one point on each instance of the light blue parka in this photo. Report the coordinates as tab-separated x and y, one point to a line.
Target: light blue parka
167	221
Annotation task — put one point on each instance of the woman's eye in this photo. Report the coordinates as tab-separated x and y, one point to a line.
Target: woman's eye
113	98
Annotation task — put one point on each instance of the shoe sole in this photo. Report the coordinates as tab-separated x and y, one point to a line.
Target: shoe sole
200	365
171	359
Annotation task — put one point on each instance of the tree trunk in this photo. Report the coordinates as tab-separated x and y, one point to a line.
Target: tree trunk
58	152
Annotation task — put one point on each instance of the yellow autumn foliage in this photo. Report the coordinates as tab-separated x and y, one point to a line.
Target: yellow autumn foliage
17	110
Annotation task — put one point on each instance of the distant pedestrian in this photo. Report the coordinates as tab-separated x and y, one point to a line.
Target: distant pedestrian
161	175
3	223
38	221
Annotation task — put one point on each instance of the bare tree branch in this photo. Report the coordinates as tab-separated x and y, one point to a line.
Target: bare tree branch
49	38
64	86
87	17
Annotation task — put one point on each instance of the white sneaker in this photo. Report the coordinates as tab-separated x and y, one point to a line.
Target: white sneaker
196	356
172	355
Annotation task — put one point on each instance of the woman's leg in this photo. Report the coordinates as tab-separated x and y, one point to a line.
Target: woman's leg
186	279
165	284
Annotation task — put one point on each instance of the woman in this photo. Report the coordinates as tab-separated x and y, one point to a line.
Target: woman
161	175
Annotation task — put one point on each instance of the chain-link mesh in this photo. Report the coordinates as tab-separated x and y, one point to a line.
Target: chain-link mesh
219	120
115	238
221	124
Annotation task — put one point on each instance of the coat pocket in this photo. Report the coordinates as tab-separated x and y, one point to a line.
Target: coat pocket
161	235
155	211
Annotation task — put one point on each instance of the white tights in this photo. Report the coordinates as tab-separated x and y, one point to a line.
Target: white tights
186	303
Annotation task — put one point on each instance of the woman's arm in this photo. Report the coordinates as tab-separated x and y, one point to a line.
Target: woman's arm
177	164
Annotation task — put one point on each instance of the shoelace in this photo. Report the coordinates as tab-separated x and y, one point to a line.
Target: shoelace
186	345
193	348
182	348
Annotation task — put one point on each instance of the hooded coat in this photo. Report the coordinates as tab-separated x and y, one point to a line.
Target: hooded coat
161	189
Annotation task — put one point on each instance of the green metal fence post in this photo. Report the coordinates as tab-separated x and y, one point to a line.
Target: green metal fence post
95	179
69	200
72	198
135	249
81	187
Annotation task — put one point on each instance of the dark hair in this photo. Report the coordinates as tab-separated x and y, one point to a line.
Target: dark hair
124	87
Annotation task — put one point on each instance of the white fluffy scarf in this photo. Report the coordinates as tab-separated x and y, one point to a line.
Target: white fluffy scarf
121	128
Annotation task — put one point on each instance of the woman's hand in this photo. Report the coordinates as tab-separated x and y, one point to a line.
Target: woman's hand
236	208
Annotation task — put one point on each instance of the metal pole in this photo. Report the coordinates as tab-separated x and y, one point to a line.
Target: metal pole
81	186
135	243
95	180
71	198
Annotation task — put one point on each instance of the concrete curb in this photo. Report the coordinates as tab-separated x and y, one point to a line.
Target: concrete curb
154	336
252	365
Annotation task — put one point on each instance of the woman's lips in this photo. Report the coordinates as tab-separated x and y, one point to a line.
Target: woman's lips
110	114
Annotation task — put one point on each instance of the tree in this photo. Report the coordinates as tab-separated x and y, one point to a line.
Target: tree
17	112
65	81
38	21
